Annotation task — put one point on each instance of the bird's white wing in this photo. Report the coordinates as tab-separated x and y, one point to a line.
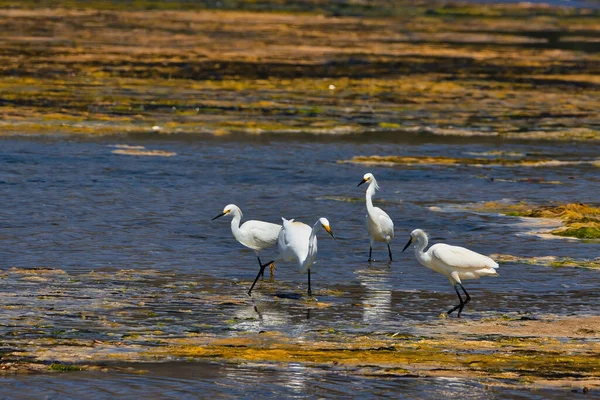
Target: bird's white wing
264	233
293	240
461	258
289	225
387	225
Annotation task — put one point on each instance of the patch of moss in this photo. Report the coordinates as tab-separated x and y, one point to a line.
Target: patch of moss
552	261
427	160
581	221
64	367
569	262
389	125
566	212
584	232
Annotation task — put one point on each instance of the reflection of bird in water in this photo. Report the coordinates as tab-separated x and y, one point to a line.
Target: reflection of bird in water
262	316
377	303
256	235
266	314
456	263
298	242
379	224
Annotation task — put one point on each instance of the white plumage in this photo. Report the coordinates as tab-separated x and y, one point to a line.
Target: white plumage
454	262
256	235
298	242
379	225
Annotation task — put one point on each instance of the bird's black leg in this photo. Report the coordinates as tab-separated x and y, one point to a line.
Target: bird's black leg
260	317
309	291
462	303
370	252
260	272
260	266
390	252
468	299
262	269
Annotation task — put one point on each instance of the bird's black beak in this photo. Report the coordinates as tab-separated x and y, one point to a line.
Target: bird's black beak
218	216
328	229
361	182
407	244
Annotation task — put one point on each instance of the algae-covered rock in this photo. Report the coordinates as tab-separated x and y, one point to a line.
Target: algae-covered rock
567	212
64	367
584	232
550	261
582	221
509	161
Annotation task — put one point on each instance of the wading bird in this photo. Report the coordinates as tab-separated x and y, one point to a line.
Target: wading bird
379	224
454	262
256	235
298	242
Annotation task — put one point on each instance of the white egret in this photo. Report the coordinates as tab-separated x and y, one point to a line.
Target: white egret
454	262
256	235
298	242
379	224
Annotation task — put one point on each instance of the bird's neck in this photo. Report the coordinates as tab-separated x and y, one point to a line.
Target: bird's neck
421	255
313	233
369	194
235	226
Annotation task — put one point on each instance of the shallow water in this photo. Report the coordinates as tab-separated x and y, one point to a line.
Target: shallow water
141	256
191	380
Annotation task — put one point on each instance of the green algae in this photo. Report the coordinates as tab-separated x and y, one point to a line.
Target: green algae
550	261
567	262
526	357
82	83
64	367
581	221
585	232
572	212
477	162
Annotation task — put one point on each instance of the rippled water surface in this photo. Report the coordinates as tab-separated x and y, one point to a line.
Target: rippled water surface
194	380
135	247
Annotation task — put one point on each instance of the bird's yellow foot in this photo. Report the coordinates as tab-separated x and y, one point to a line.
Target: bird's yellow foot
272	271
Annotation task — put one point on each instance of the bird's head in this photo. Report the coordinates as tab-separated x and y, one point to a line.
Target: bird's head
418	235
229	208
325	224
369	177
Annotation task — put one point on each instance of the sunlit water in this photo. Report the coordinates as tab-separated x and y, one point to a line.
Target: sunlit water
201	380
75	206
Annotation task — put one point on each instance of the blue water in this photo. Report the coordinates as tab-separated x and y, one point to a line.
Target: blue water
73	205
